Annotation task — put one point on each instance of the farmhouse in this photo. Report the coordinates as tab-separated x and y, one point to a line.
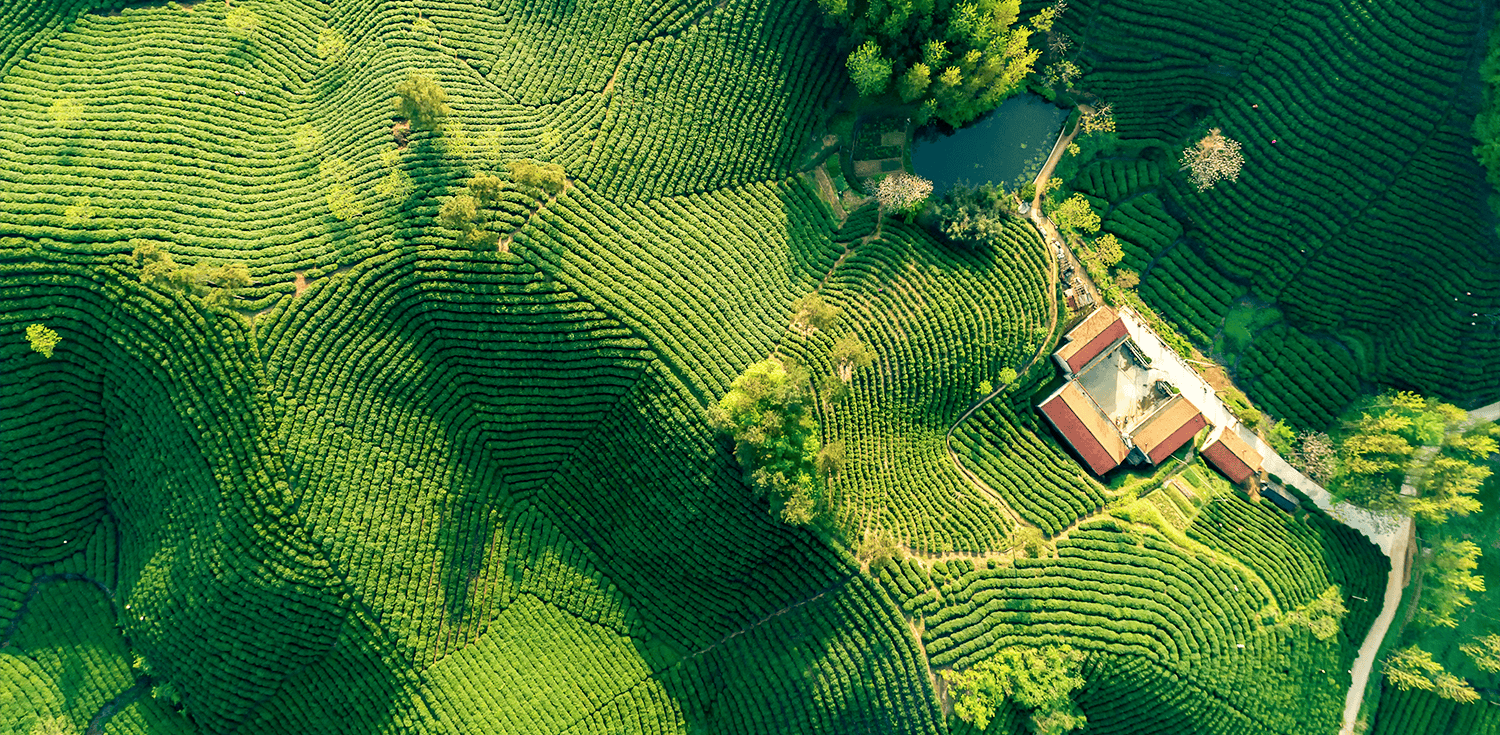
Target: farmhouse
1113	408
1096	335
1232	455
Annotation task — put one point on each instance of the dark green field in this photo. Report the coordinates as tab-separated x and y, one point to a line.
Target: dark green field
312	455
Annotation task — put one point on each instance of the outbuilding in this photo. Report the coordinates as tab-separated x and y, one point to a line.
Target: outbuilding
1232	455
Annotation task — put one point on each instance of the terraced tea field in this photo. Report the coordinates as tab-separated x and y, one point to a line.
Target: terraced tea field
316	449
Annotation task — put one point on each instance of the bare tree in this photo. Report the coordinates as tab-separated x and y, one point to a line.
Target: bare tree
1213	159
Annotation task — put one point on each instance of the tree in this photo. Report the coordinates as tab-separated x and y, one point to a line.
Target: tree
486	189
1075	213
1099	119
1315	456
1040	679
876	548
973	216
1411	668
1107	246
460	213
1060	75
1485	652
65	111
1007	376
869	69
1213	159
331	45
850	354
242	23
811	313
548	177
43	340
776	436
1447	582
59	725
420	100
1448	489
1322	615
831	458
914	82
902	192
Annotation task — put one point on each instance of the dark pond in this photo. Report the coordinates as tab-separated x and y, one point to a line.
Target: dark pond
1007	146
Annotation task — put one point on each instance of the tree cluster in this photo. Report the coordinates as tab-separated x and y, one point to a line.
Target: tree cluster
1413	668
973	216
469	211
959	59
1039	679
216	285
768	411
1378	448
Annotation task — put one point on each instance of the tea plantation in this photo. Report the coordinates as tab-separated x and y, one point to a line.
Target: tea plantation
1360	219
318	449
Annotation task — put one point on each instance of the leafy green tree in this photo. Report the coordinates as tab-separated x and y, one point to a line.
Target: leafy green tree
1413	668
1109	250
1075	213
242	23
869	69
1322	615
43	340
1485	652
767	412
1447	580
460	213
811	313
548	177
1448	489
831	458
850	354
332	46
420	100
486	189
914	82
1040	679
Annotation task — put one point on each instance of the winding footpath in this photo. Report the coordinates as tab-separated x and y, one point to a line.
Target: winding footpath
1393	534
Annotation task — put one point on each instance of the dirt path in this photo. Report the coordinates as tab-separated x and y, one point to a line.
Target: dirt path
1054	244
1395	583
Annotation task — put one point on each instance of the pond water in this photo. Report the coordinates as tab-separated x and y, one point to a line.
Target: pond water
1008	146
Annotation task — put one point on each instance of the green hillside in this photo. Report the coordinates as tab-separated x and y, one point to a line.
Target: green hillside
1360	215
312	452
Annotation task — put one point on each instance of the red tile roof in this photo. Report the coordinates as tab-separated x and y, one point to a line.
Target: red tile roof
1091	337
1232	455
1168	429
1088	431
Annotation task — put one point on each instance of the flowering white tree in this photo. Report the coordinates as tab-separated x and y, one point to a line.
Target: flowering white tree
902	192
1212	160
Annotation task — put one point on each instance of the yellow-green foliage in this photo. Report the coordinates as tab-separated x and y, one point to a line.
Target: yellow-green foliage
43	340
776	435
1040	679
548	177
